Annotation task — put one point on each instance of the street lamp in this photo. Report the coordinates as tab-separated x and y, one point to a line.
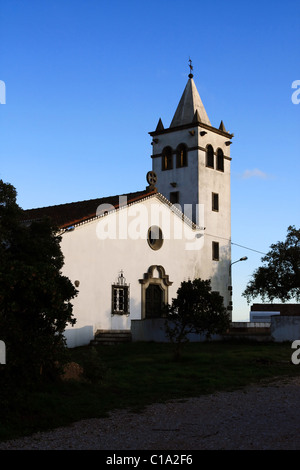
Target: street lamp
244	258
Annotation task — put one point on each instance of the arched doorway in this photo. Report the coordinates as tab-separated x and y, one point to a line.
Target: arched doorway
154	294
154	301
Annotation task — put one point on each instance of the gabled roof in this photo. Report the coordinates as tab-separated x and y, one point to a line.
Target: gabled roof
66	215
189	104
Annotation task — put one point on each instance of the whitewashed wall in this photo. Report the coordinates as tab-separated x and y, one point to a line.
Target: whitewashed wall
96	262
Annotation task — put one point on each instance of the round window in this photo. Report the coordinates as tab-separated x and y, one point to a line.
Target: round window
155	237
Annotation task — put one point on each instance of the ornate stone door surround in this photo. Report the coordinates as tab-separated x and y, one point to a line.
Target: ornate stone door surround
155	275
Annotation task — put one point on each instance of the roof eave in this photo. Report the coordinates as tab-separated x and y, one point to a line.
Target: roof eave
228	135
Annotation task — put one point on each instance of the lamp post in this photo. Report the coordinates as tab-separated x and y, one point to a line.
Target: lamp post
244	258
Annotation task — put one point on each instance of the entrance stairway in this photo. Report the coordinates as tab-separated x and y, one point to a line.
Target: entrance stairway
109	337
250	331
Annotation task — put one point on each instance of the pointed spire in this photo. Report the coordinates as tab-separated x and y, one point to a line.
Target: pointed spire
160	126
196	117
222	127
189	103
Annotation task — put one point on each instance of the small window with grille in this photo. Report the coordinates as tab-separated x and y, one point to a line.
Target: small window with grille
120	296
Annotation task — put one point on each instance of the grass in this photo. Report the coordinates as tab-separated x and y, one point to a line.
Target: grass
137	374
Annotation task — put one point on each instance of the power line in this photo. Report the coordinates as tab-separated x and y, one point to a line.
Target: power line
236	244
246	248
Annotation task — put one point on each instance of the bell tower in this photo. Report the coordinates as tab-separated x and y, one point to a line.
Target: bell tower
191	159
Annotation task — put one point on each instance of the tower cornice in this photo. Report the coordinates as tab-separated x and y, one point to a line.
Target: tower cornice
190	126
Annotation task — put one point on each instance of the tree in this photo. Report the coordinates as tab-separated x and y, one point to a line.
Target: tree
35	297
280	277
196	309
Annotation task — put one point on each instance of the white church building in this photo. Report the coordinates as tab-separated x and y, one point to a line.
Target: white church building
128	254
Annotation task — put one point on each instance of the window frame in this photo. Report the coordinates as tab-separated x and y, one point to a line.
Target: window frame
209	156
167	159
215	198
215	251
118	308
156	242
220	160
181	160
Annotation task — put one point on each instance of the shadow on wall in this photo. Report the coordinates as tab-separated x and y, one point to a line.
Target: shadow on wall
153	329
221	275
118	321
79	336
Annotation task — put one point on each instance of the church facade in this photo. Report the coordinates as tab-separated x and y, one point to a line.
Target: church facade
128	254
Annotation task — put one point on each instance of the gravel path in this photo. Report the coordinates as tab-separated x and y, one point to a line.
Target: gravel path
256	417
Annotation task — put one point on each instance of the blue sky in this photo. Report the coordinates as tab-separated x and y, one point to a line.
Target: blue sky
87	80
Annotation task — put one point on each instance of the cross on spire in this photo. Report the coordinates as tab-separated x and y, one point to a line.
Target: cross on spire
191	68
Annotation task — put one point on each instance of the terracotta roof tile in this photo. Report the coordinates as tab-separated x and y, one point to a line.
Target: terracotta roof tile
65	215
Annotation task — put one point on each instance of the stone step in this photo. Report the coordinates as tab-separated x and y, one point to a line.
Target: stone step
251	333
112	337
